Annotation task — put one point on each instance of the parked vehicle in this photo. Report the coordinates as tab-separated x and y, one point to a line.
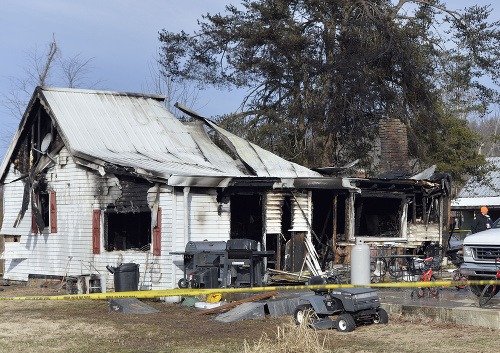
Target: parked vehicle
490	290
456	242
480	251
342	309
455	246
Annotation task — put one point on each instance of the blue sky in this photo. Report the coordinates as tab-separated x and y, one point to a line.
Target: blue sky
120	35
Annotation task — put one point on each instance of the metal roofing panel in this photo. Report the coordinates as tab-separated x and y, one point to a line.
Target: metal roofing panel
261	161
475	202
136	131
211	151
489	186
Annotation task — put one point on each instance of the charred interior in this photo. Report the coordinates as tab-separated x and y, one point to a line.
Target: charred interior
328	221
246	217
35	142
127	230
378	216
31	158
127	221
41	200
380	206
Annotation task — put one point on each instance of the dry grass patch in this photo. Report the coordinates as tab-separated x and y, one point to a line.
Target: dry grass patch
289	338
89	326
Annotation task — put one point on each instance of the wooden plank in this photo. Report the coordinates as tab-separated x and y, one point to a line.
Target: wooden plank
238	302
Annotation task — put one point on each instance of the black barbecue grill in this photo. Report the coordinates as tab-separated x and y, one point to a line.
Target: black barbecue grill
243	263
212	264
202	264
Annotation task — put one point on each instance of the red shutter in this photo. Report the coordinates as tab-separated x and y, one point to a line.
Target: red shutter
53	212
96	232
157	234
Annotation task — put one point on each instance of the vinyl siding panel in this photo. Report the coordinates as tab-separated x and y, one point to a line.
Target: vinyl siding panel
13	196
186	214
204	223
67	250
273	212
301	212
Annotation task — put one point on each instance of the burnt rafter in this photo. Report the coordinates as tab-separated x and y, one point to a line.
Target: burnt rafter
246	186
118	169
253	182
406	186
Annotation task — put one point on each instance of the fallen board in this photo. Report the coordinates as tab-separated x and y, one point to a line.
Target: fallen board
238	302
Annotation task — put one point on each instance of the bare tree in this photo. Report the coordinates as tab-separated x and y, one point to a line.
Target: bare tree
75	71
42	69
160	81
36	73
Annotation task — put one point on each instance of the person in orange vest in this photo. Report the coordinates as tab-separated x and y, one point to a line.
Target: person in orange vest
482	221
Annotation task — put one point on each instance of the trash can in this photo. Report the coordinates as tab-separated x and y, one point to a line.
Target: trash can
125	276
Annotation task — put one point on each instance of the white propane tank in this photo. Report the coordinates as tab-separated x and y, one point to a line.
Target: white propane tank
360	263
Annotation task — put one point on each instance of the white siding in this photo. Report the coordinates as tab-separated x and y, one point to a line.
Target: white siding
13	197
273	212
203	222
301	212
204	219
69	252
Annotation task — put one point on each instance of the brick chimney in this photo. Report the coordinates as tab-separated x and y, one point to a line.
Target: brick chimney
393	146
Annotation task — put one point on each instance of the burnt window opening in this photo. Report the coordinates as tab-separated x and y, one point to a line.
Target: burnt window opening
44	207
426	210
246	217
127	231
378	216
324	214
328	223
44	215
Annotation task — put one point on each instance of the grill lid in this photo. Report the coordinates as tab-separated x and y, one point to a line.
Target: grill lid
241	244
207	246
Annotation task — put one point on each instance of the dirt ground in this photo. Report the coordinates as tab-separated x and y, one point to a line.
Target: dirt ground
89	326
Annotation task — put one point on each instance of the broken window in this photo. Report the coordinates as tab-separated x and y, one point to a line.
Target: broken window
378	216
127	230
44	207
44	215
246	217
424	210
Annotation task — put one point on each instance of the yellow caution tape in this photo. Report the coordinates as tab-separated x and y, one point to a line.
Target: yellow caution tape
190	292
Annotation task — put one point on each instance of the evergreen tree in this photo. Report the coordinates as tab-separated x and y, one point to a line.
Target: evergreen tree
322	73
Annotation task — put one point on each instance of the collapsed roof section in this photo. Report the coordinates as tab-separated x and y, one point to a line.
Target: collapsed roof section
258	161
134	133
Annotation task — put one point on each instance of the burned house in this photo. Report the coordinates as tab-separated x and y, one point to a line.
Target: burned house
396	211
95	179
